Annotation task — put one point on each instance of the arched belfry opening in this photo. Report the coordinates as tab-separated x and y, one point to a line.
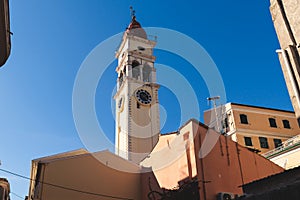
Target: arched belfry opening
135	69
147	73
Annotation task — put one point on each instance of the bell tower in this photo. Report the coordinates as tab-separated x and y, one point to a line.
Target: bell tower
137	107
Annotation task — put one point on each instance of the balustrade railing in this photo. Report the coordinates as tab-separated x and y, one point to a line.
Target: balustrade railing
284	146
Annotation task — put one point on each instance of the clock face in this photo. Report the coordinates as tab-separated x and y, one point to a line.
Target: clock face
143	96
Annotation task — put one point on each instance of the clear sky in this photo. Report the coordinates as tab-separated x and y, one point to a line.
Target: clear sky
53	37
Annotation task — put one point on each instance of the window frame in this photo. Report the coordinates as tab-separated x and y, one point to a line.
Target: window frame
286	124
276	144
263	144
248	139
272	122
244	119
225	123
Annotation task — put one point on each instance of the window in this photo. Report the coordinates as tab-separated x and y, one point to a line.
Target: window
248	141
225	123
120	79
272	122
286	123
186	136
277	142
243	119
263	142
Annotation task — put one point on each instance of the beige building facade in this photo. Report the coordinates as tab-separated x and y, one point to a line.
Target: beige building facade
286	19
80	175
193	155
257	128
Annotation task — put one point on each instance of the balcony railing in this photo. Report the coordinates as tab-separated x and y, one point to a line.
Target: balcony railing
286	145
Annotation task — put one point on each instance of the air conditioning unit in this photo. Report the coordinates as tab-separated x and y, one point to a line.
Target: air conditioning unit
225	196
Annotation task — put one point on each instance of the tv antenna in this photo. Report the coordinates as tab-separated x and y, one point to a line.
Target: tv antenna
214	100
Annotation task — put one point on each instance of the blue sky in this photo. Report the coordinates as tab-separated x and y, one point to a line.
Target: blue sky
52	38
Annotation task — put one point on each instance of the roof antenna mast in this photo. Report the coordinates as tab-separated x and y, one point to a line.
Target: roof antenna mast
214	100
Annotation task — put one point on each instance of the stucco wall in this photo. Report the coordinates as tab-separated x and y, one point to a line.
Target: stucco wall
228	166
225	165
86	173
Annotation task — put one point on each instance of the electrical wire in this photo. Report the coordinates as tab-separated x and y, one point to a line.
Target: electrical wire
65	188
16	195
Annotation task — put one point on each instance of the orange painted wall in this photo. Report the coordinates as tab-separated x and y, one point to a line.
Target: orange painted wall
228	166
224	169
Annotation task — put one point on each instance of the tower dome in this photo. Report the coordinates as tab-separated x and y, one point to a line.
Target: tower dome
136	29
